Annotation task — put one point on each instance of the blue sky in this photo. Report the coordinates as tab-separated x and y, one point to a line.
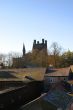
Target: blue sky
26	20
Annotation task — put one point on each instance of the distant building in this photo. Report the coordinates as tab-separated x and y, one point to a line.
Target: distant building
27	60
39	53
40	46
57	75
63	76
2	61
20	61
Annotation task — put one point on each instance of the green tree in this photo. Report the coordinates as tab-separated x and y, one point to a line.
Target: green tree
67	58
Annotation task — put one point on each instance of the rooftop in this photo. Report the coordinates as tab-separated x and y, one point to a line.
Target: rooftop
70	81
50	101
71	67
19	74
10	89
58	72
58	98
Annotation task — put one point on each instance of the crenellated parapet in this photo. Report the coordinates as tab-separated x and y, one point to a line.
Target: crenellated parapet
40	46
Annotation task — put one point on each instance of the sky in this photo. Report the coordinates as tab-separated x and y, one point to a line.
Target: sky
22	21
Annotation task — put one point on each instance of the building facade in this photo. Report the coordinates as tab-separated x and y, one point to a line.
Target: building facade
57	75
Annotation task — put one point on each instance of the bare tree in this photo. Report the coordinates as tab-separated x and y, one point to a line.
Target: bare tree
10	56
55	52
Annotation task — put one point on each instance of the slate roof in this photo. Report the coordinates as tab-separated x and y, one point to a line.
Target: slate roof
33	105
6	74
58	72
58	98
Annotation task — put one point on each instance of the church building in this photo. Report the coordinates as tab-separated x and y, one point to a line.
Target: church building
27	58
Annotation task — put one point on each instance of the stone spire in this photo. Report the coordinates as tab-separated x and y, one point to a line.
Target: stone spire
23	49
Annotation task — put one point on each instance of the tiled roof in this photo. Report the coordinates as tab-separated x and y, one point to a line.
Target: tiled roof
58	98
6	74
58	72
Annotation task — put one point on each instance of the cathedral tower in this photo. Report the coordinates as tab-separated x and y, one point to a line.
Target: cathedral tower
40	46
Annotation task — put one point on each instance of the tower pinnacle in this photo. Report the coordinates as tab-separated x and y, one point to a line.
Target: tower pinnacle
23	49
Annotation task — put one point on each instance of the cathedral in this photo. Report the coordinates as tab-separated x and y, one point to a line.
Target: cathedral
27	58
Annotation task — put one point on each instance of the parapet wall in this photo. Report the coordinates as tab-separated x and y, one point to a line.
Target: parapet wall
40	46
17	97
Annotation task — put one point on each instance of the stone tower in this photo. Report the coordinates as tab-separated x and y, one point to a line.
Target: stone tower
40	46
40	55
